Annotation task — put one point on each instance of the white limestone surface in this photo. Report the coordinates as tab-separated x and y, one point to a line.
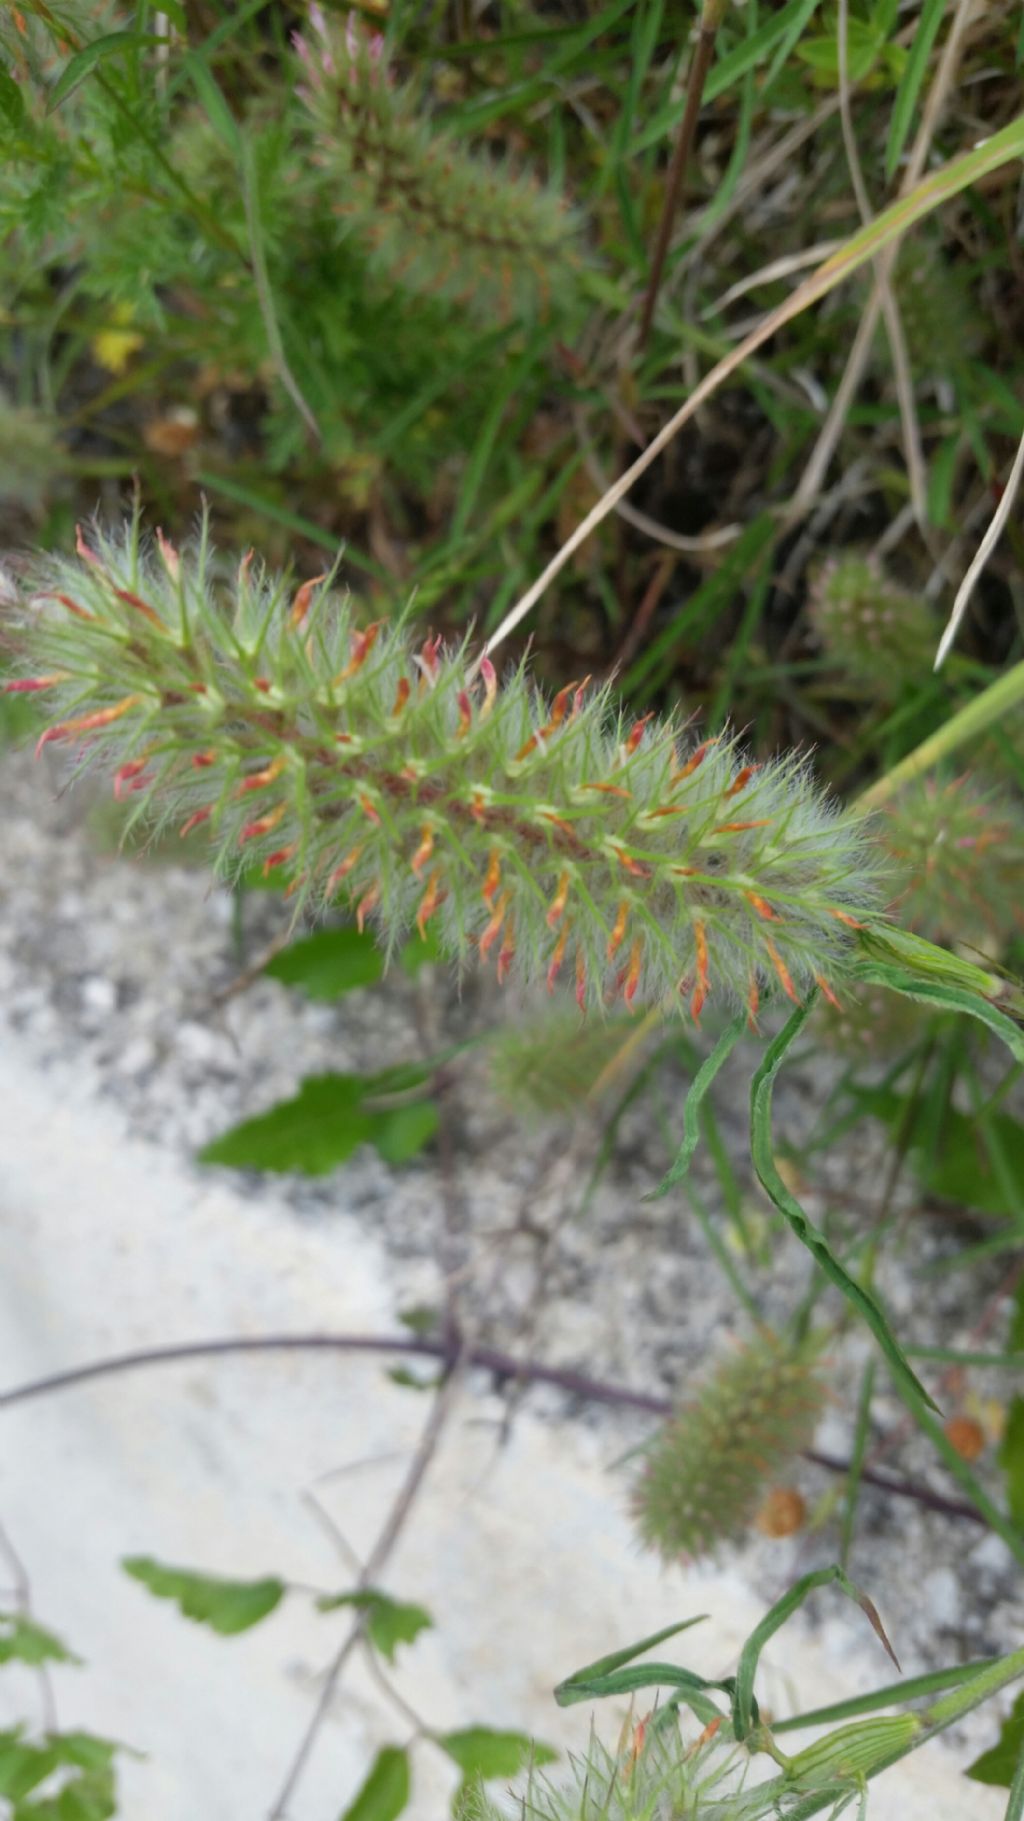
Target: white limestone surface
524	1554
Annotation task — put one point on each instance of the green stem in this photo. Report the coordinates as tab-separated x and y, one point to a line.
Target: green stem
990	706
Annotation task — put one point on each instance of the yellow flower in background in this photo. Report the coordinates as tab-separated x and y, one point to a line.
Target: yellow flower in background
114	346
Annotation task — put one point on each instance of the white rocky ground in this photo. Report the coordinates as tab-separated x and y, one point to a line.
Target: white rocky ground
112	1067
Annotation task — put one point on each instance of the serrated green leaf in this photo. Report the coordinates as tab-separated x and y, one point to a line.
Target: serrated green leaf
997	1765
23	1641
389	1622
228	1607
85	61
326	1121
314	1132
329	963
480	1752
386	1790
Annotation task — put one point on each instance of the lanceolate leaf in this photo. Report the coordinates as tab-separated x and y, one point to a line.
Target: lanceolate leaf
809	1235
386	1790
228	1607
691	1108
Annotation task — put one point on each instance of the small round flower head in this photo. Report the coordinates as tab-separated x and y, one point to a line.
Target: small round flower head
437	219
881	636
956	844
655	1775
708	1467
552	1066
555	841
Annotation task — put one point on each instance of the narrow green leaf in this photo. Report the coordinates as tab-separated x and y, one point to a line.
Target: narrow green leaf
1011	1459
84	61
228	1607
691	1109
23	1641
998	1765
12	101
212	102
910	83
744	1705
807	1233
389	1622
386	1790
329	963
480	1752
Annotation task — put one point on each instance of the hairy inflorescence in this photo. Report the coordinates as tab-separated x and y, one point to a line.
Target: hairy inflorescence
707	1468
956	846
438	219
655	1775
555	840
880	635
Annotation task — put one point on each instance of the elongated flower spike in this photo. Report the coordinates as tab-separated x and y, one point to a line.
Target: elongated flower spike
436	219
529	834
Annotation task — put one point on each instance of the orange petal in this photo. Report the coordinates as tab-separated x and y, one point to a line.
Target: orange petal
735	828
785	978
278	857
741	781
493	930
762	907
823	984
140	606
490	678
492	879
557	958
507	954
636	955
429	902
300	605
402	694
197	816
362	645
465	714
87	723
365	906
258	780
424	850
615	940
341	872
637	734
263	824
581	981
559	901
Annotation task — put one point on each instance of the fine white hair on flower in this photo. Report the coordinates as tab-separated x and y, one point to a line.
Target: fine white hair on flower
656	1774
562	840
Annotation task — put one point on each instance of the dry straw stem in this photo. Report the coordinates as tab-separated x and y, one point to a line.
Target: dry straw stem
824	449
867	244
985	549
883	281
